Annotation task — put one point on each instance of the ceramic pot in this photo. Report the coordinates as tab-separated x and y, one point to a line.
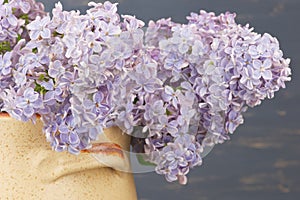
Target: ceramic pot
29	168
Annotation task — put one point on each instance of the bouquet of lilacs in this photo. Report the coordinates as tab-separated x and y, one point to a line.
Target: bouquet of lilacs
175	88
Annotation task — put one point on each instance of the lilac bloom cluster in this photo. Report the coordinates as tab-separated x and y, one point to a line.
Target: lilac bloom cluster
212	69
14	16
175	88
67	73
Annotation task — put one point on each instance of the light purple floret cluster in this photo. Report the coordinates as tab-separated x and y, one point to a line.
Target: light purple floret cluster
176	88
14	15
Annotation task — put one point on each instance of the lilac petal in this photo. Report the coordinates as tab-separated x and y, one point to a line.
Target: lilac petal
73	138
31	95
170	157
172	130
97	47
63	129
53	72
25	7
182	180
183	48
49	98
38	103
104	108
73	150
257	64
98	97
46	33
95	59
88	104
231	127
183	163
12	20
48	85
28	111
169	90
60	148
89	117
170	178
57	64
7	59
256	74
173	165
252	50
166	97
267	64
93	133
5	71
149	88
64	137
267	75
163	119
114	30
34	35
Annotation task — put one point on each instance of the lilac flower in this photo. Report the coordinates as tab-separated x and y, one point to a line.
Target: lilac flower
108	29
234	120
29	102
5	63
98	104
9	19
170	95
155	110
23	5
176	159
53	93
262	69
227	72
39	28
56	69
249	79
170	126
177	87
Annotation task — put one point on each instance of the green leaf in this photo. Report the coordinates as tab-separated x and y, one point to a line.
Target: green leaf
42	77
168	113
136	99
26	18
19	38
35	50
142	160
5	46
55	34
40	89
178	88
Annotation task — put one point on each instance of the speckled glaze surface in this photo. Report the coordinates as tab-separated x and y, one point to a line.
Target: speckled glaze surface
29	169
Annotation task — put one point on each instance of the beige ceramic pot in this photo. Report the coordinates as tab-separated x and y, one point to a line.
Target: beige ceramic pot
29	169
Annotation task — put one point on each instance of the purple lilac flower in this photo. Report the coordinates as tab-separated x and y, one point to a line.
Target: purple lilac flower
5	64
39	28
61	65
228	67
177	88
13	37
29	102
176	158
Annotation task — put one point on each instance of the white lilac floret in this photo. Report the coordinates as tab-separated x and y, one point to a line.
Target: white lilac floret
175	89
